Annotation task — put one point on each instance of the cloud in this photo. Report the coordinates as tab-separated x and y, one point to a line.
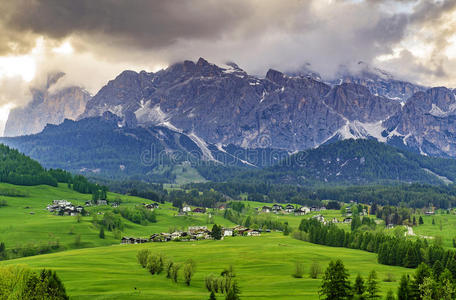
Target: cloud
109	36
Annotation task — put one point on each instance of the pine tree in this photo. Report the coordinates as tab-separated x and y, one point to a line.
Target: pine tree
437	269
420	220
212	296
390	295
359	287
421	273
216	232
403	292
372	286
335	283
102	233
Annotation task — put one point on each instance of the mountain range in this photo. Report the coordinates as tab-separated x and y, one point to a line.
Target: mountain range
222	115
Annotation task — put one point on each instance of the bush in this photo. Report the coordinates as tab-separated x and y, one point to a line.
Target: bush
189	271
299	270
155	264
315	270
142	257
175	271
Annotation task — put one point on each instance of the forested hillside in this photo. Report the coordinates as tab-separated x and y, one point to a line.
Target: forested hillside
358	162
16	168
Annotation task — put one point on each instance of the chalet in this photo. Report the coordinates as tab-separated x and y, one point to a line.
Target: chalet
115	204
102	202
151	206
222	207
88	203
61	202
240	230
251	232
266	209
323	208
197	229
277	208
314	208
199	210
186	208
289	208
299	212
429	213
347	220
227	232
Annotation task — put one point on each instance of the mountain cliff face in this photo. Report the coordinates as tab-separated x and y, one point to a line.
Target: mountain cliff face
223	105
46	107
226	105
427	123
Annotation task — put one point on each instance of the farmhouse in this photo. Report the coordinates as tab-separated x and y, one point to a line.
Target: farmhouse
289	208
102	202
227	232
277	208
186	208
199	210
151	206
252	232
64	208
429	213
266	209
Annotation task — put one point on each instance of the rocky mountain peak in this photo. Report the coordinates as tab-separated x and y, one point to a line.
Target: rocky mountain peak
276	76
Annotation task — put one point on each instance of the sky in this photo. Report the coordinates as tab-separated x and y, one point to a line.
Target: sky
93	41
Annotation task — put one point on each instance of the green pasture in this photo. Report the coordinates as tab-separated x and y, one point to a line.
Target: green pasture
263	267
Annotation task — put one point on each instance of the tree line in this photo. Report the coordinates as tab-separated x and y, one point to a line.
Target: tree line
390	249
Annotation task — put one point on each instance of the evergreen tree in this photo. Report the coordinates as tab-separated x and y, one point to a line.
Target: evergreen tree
433	221
414	221
102	233
403	292
359	288
420	220
216	232
335	284
437	269
390	295
212	296
372	286
421	273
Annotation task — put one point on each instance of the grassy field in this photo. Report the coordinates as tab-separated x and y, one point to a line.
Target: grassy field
444	227
25	221
263	267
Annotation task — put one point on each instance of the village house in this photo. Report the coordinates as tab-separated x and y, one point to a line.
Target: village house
88	203
429	213
266	209
289	208
227	232
199	210
64	208
252	232
322	208
151	206
186	208
319	218
115	204
102	202
276	208
348	220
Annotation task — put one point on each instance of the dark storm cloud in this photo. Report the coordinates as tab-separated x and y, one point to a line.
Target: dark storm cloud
112	35
148	24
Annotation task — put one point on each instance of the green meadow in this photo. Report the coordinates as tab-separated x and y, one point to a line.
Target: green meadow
25	222
263	267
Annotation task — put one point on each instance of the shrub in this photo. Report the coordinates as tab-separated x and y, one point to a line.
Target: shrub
315	270
142	256
299	270
155	263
